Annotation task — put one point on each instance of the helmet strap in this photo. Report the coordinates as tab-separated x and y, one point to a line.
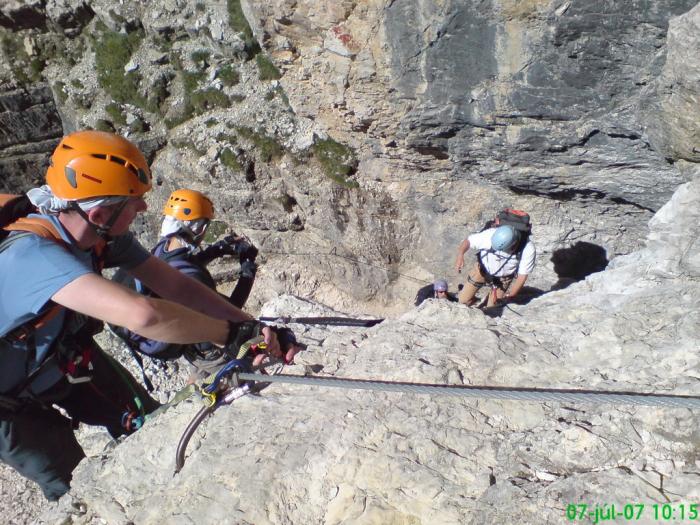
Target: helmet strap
101	231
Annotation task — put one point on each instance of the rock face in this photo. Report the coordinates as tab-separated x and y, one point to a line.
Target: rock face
357	146
538	96
452	110
303	454
30	128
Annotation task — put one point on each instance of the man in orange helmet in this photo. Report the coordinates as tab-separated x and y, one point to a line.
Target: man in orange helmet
186	218
52	293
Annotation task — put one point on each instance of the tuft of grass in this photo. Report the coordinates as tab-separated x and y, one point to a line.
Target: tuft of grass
267	147
58	88
238	22
229	76
203	101
112	52
104	125
200	58
216	229
229	159
337	160
266	69
115	113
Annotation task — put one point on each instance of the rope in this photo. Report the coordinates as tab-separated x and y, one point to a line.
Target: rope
331	321
489	392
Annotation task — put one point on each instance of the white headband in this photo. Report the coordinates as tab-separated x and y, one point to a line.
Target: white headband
48	204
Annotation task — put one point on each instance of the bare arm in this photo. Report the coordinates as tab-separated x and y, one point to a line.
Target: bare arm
175	286
517	285
156	319
461	250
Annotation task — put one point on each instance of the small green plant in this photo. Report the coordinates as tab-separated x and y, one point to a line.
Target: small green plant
216	230
200	58
210	122
104	125
225	137
25	70
267	147
229	159
337	160
207	99
77	84
229	76
266	69
238	23
58	88
200	7
191	80
112	52
115	113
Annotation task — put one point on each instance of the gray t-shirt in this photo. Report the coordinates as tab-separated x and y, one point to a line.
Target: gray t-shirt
32	270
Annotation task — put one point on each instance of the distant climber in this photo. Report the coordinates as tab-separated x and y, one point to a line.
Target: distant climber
505	258
436	290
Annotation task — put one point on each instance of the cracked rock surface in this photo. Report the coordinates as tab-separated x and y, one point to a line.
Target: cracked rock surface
298	454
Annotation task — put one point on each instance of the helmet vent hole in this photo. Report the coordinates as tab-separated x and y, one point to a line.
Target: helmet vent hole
143	176
93	179
99	156
66	146
118	160
71	177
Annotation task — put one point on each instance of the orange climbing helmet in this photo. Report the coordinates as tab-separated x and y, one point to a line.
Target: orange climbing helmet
89	164
189	205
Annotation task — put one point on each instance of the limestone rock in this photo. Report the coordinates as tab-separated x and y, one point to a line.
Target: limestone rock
674	103
337	456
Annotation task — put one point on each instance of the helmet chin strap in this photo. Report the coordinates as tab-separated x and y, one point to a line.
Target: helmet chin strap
101	231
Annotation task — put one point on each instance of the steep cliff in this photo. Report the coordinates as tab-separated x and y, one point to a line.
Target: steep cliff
299	454
357	143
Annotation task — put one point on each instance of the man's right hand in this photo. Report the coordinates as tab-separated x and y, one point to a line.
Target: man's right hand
459	263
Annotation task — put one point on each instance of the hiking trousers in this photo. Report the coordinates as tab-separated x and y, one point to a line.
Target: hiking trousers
39	442
476	280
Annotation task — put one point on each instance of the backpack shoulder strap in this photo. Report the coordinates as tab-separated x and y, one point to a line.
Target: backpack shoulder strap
37	225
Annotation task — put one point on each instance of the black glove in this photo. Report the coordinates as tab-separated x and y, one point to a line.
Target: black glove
248	269
241	247
239	333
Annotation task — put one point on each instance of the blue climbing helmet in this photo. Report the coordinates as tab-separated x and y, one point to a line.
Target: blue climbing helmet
505	238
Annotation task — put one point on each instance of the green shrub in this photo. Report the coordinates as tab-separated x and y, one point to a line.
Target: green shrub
202	101
104	125
60	93
238	23
337	160
115	113
200	58
266	69
216	230
112	52
229	159
267	147
228	76
77	84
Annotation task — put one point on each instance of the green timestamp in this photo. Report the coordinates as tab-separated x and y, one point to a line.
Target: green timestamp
632	511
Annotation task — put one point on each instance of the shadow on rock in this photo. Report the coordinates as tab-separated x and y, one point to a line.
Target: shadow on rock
577	262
